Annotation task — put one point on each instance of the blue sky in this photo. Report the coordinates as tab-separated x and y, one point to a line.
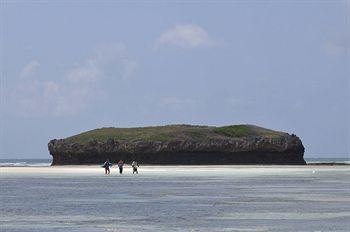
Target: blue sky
69	67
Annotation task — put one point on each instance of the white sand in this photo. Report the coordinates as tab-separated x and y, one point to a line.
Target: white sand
229	170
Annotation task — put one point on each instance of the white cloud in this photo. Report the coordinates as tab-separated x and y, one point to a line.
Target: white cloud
89	72
29	69
73	99
176	103
35	97
78	89
186	36
334	49
338	46
108	60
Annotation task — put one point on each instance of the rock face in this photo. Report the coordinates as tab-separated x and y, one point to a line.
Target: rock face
180	145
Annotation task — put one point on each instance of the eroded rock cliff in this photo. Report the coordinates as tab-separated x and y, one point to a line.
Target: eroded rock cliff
180	144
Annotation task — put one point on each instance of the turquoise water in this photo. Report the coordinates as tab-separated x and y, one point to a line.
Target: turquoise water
178	199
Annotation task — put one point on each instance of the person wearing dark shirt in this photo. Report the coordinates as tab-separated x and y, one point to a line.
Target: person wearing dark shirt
106	165
120	166
134	166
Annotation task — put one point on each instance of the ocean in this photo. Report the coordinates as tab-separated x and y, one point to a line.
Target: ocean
174	198
25	162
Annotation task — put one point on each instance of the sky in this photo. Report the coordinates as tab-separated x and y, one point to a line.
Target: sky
72	66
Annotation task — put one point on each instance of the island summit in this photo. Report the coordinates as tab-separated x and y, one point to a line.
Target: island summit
180	145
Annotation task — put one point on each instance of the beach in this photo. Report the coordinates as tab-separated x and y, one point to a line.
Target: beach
176	198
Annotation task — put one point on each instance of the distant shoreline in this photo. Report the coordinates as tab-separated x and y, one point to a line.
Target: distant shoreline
185	166
327	163
48	162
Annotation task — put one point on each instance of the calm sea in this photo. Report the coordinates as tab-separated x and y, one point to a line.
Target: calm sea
201	199
25	162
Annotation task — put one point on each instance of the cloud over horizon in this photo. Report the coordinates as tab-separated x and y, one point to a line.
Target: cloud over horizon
75	91
29	69
185	36
338	46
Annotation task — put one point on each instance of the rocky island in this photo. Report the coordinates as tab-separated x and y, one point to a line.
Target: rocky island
180	145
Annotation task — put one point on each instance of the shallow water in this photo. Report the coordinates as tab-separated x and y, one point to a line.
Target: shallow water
229	198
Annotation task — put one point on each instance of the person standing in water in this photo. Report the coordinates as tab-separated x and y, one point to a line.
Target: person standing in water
120	166
134	166
106	165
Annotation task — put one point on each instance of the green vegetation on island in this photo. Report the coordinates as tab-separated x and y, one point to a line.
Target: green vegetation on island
172	132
